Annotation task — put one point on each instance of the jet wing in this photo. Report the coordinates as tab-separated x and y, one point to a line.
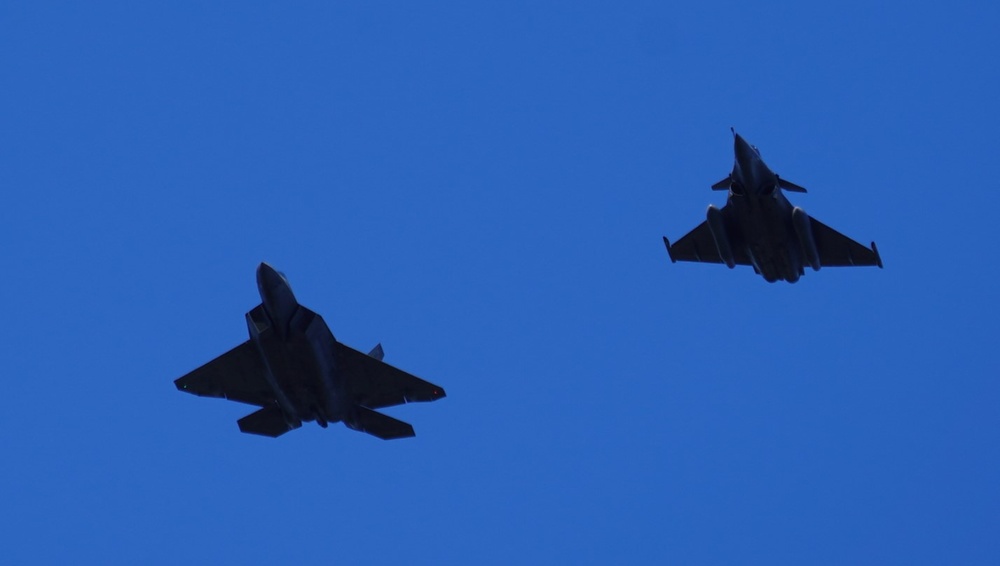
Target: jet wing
374	383
836	249
699	245
238	375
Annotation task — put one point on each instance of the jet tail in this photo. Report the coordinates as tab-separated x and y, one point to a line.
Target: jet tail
377	424
269	421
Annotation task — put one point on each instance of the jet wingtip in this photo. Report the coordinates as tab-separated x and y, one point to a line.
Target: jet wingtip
878	257
435	394
670	252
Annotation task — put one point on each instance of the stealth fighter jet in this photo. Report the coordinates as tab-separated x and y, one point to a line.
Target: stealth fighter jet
760	228
294	369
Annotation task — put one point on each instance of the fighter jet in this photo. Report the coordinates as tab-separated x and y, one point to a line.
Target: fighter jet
760	228
297	372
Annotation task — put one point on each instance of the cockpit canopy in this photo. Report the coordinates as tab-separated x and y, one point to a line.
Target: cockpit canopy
284	278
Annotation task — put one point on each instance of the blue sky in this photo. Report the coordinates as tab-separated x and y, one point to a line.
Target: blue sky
483	188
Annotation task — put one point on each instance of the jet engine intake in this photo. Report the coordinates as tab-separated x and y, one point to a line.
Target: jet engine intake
717	225
803	229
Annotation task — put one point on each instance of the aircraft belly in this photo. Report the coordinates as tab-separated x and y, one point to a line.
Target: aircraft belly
323	348
295	373
768	238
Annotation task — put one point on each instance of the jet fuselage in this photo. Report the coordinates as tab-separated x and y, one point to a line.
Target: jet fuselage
761	215
298	353
760	228
294	370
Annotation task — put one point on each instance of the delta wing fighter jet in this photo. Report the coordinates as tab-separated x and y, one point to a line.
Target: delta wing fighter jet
294	369
760	228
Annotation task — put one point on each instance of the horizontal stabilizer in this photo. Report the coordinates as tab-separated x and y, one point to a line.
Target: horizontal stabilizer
377	424
269	421
377	352
790	186
724	184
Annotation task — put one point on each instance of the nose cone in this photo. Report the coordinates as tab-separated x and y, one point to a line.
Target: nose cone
276	295
750	171
745	153
269	278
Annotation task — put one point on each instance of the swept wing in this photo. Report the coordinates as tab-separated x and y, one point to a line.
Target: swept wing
238	375
837	250
373	383
699	245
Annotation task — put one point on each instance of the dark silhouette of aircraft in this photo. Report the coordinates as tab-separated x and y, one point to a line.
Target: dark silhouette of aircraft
760	228
296	371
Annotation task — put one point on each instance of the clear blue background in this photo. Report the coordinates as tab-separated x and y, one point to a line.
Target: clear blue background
483	188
